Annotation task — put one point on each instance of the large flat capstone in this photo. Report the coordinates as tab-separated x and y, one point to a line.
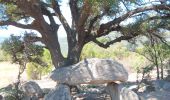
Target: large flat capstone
91	71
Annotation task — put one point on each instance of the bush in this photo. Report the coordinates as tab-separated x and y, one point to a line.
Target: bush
36	71
4	56
33	71
118	51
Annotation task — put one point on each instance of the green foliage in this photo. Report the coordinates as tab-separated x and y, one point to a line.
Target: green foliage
4	56
20	50
47	57
160	50
12	45
156	53
36	71
37	58
115	51
138	62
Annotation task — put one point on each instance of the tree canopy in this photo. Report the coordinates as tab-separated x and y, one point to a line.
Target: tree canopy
91	19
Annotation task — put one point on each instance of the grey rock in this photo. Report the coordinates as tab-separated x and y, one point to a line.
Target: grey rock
161	85
156	95
113	90
91	71
32	91
127	94
61	92
117	92
1	97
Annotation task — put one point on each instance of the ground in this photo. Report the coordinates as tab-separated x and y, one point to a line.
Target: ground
9	72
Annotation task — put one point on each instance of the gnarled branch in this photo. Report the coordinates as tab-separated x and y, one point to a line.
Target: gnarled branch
62	19
119	39
74	11
118	20
19	25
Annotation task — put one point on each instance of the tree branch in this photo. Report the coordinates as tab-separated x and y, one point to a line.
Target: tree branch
93	21
84	14
32	39
29	26
91	37
119	39
74	11
50	16
118	20
62	19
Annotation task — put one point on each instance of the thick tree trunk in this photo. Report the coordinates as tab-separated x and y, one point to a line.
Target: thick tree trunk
51	41
74	55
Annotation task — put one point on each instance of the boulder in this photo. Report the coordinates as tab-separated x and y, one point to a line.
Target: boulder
113	90
32	91
91	71
161	85
61	92
117	92
127	94
156	95
1	97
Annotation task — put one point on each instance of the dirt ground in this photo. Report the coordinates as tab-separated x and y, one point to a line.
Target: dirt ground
8	73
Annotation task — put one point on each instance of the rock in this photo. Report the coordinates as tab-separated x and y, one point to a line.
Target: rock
133	87
161	85
156	95
61	92
146	88
166	86
127	94
113	90
91	71
117	92
1	97
32	91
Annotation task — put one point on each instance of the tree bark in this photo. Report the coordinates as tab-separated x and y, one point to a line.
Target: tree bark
157	67
162	69
56	55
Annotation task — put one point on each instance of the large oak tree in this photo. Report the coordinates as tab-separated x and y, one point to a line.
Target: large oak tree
87	22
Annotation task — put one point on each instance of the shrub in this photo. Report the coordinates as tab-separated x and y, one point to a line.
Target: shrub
33	71
36	71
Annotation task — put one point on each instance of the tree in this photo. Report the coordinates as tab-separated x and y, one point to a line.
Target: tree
22	52
87	23
156	52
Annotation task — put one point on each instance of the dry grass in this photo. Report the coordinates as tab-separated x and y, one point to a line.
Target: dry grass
8	73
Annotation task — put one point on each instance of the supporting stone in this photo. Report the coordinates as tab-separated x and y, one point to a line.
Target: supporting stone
127	94
113	90
61	92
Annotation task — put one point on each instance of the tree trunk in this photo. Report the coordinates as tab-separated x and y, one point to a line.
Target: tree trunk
157	68
162	69
74	55
52	43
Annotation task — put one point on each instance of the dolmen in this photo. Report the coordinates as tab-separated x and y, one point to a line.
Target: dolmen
88	71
